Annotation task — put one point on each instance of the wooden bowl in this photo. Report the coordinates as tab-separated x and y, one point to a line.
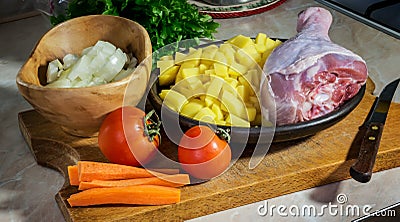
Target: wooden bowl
80	111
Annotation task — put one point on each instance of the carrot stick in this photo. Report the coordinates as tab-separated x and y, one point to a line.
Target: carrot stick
176	180
90	170
166	170
142	194
73	175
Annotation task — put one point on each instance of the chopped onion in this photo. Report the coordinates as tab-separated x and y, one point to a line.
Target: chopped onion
98	64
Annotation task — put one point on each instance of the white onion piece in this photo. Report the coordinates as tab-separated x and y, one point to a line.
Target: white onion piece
52	70
98	64
69	60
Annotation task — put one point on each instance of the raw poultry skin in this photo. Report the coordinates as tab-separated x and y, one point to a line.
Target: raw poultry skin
308	74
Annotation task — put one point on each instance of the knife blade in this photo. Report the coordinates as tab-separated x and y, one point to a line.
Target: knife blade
372	129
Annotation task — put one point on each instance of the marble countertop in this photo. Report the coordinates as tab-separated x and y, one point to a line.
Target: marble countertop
27	189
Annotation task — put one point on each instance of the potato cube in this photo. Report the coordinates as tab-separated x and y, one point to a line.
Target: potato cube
179	57
217	111
228	87
270	44
220	57
243	58
202	68
167	57
194	83
168	76
233	104
261	38
163	93
191	108
215	87
241	41
251	113
234	120
175	100
210	100
252	52
243	92
207	57
221	70
165	65
205	114
237	69
190	72
257	120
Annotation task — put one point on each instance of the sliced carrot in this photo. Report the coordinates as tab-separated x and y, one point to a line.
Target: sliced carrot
166	170
142	195
90	170
73	175
176	180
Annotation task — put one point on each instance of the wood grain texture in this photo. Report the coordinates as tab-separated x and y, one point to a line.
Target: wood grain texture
289	167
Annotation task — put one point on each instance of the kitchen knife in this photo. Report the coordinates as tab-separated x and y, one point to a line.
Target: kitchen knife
372	130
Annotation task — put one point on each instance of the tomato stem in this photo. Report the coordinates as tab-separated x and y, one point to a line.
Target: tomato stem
223	134
152	128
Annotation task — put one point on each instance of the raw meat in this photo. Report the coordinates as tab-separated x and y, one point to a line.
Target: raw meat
308	74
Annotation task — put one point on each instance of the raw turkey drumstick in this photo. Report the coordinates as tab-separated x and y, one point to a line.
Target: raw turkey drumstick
309	75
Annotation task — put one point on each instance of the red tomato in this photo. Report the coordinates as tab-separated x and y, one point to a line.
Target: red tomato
123	139
203	154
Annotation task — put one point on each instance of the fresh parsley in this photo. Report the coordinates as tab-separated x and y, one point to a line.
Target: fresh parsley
166	21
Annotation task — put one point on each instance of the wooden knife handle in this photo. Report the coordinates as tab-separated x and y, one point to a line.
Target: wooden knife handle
362	168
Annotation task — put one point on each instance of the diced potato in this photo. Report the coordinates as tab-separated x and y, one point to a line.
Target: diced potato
228	87
202	68
194	56
207	57
190	93
220	122
261	38
241	41
210	72
220	57
163	93
221	70
179	57
209	101
243	92
257	120
237	69
218	84
231	81
194	83
175	100
190	72
166	57
165	65
261	48
243	81
243	58
251	113
254	77
191	108
233	104
229	52
215	87
205	114
252	52
270	43
234	120
168	76
217	111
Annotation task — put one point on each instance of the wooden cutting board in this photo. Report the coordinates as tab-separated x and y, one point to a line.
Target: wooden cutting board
289	167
